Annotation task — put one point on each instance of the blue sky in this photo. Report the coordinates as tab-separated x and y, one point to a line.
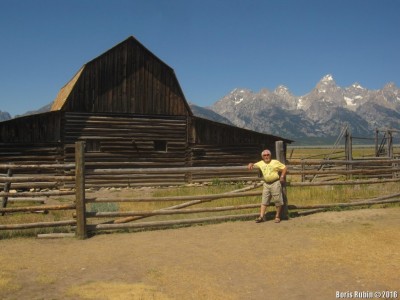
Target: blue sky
214	46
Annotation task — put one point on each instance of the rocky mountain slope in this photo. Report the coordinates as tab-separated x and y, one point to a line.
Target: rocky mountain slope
208	114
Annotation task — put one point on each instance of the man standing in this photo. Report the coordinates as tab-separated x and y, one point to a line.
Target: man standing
274	173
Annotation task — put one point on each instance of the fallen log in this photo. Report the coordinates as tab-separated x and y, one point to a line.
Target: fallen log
169	211
309	212
380	198
182	205
170	223
174	198
55	235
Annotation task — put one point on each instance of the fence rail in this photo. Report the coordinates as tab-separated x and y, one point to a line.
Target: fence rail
18	179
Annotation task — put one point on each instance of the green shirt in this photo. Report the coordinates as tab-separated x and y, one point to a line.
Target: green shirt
271	170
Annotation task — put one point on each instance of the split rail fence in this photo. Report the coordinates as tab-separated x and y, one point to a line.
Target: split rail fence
83	221
34	201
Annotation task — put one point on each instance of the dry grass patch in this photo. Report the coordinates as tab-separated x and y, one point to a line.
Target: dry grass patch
8	283
340	193
116	290
181	278
361	247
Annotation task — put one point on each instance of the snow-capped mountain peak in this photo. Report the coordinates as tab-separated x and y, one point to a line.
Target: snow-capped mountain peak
238	95
326	85
327	78
281	90
356	85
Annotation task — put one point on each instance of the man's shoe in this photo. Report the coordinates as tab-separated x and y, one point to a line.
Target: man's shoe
260	219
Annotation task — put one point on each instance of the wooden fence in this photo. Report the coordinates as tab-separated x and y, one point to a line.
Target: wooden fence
322	170
301	173
16	178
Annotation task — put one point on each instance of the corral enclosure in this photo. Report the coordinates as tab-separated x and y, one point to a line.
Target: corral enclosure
220	200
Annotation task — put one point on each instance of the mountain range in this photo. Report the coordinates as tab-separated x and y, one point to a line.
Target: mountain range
4	116
314	118
317	117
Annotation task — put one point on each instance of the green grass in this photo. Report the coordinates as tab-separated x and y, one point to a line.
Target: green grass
358	151
340	193
296	196
216	188
28	217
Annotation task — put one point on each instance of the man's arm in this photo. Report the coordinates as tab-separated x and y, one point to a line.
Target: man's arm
283	174
251	166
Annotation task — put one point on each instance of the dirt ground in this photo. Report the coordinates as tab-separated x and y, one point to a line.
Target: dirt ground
310	257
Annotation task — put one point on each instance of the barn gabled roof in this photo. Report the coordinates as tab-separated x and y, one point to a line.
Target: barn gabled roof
63	95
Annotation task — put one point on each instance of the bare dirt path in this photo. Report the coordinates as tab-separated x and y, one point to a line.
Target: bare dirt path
311	257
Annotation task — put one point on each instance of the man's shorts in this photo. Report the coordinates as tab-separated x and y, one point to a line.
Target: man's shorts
272	192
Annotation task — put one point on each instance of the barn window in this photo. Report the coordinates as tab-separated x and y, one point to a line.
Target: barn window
92	146
160	146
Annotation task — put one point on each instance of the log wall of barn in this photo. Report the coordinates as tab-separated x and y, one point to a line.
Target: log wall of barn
126	141
216	144
39	128
133	139
27	153
31	139
127	79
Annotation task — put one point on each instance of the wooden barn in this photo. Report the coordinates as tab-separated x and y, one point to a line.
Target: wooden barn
128	107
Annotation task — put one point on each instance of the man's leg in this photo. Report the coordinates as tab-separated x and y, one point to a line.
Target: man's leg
263	209
261	218
266	198
278	200
278	214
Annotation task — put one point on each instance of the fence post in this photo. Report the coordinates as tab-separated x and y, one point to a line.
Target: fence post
81	231
390	144
348	152
280	155
376	142
7	186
